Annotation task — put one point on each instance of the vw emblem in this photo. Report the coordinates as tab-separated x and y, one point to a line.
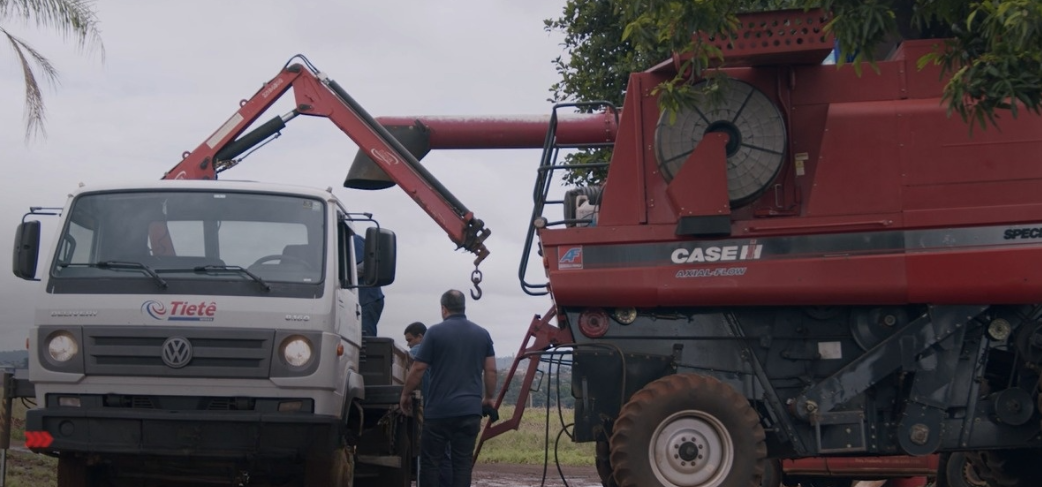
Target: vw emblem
177	352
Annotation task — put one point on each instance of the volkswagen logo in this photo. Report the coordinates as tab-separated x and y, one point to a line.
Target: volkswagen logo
177	352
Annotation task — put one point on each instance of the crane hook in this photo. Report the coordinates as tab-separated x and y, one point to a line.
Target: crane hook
475	277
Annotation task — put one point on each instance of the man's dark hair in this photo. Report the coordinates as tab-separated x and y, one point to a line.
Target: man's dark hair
416	329
454	301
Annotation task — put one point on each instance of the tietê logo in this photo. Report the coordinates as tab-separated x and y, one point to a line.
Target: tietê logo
180	311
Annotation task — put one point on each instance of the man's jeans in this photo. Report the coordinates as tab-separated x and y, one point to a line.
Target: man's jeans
460	433
370	316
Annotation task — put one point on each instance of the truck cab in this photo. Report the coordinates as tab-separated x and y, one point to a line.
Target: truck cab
179	320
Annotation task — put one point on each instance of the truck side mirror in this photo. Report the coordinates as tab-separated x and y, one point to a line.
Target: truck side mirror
380	257
26	250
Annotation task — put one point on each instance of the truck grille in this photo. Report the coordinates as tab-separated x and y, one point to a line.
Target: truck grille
180	403
215	352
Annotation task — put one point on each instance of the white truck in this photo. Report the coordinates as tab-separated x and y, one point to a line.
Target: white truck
209	331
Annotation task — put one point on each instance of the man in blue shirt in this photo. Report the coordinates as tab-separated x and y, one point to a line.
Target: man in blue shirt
371	299
457	352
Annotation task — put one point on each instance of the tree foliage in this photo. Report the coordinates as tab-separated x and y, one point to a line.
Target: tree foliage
993	54
75	19
597	67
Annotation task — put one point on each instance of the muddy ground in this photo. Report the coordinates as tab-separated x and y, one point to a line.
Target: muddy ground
509	475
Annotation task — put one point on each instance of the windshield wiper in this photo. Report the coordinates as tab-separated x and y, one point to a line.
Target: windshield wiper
232	268
119	264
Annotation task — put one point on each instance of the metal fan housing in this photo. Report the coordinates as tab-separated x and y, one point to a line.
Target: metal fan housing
756	130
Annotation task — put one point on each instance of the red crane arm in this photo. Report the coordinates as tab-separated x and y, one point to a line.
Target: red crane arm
317	95
201	163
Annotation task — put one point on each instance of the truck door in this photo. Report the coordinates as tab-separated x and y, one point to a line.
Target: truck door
348	313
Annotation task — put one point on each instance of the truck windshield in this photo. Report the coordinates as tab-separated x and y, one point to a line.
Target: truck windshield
172	235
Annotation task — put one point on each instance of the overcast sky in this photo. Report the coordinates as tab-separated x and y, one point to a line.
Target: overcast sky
175	71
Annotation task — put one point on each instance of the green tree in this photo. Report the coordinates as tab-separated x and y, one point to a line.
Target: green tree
597	67
73	19
993	55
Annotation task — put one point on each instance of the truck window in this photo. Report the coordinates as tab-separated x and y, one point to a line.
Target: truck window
70	249
277	237
345	255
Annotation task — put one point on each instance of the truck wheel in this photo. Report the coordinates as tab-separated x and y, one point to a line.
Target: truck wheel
1008	468
402	476
688	430
955	470
73	471
336	470
602	460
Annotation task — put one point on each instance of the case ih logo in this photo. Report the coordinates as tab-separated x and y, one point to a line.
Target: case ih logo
572	258
717	254
180	311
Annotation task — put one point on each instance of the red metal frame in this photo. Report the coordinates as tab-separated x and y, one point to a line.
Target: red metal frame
540	337
872	467
773	38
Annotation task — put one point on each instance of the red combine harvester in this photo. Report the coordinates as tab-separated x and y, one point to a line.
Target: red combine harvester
820	264
816	265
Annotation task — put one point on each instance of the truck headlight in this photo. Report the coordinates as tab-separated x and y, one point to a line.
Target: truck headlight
296	350
62	346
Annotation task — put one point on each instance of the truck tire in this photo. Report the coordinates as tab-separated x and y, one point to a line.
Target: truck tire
688	430
336	470
956	470
602	461
1008	468
73	471
402	476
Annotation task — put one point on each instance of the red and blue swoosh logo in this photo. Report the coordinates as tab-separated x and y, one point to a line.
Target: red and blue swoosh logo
155	309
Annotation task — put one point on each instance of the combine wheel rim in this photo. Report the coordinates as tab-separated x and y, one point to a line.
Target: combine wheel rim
691	447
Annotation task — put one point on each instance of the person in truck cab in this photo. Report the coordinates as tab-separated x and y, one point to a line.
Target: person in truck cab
371	299
457	351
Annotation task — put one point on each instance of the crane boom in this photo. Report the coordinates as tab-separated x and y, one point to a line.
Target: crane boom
319	96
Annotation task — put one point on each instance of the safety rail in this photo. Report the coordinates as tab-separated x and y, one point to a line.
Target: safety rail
548	165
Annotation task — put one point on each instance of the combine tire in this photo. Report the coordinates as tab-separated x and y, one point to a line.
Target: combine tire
336	470
1008	468
603	463
688	430
772	474
955	470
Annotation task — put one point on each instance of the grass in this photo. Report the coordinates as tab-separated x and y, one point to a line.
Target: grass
528	445
27	469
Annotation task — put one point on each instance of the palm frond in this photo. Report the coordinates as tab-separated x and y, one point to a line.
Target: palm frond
74	19
34	107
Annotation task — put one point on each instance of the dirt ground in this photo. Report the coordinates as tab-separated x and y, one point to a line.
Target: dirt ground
509	475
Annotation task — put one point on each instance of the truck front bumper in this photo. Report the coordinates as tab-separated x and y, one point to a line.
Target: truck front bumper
221	434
